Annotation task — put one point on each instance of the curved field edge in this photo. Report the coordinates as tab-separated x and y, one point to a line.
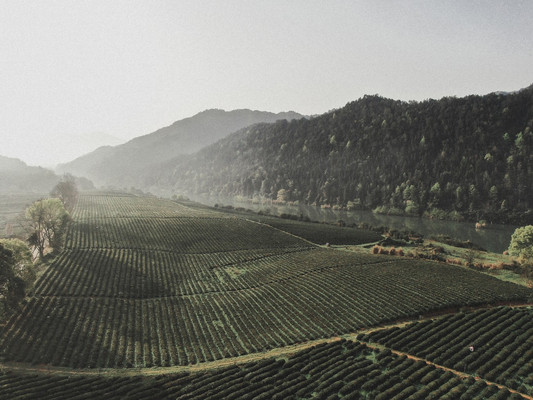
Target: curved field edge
319	233
179	330
495	344
338	368
365	335
261	301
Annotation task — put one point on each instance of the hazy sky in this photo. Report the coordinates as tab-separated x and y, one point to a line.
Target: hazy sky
125	68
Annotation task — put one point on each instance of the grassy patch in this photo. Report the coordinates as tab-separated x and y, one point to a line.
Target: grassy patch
501	266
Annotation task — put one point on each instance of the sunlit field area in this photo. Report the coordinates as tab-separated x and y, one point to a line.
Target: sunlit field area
144	283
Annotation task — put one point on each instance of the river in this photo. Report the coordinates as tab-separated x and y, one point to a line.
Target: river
494	238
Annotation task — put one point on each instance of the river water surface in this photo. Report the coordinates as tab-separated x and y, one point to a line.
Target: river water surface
495	237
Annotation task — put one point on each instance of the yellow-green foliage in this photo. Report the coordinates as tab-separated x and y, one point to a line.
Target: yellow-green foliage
522	243
48	219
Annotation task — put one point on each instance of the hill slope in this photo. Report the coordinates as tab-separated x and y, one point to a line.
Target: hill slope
471	156
120	165
17	177
340	369
144	282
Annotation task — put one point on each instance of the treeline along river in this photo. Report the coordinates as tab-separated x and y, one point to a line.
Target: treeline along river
494	237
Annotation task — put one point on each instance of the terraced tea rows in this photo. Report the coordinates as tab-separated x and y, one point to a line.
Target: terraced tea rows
341	369
107	205
323	233
112	300
148	274
177	330
315	232
496	344
183	235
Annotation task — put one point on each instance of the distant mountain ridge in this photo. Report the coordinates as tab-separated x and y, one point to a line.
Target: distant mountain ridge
121	165
17	177
11	164
455	157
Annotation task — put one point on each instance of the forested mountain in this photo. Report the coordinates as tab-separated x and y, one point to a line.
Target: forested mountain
455	157
17	177
120	165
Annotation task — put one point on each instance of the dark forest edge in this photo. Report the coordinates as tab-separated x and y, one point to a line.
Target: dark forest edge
465	158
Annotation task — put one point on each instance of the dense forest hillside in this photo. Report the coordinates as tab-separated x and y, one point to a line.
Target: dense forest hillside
17	177
120	165
451	158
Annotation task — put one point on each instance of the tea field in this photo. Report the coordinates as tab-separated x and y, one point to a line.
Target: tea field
319	233
338	370
145	283
495	344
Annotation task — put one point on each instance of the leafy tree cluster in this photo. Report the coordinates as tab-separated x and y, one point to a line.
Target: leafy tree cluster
522	243
47	220
17	274
522	246
466	157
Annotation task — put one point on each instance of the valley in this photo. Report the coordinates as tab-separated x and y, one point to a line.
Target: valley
266	200
147	291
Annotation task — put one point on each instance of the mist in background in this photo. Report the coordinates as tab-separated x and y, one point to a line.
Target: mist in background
76	75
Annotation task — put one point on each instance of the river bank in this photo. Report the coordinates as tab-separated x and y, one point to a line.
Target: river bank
494	237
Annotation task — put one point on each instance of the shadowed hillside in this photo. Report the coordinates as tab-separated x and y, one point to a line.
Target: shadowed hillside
451	158
17	177
120	165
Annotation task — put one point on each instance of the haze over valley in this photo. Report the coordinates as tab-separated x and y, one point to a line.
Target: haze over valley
454	158
120	166
125	70
266	200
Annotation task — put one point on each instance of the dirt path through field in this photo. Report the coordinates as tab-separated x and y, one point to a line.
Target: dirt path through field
205	366
278	352
460	374
209	365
